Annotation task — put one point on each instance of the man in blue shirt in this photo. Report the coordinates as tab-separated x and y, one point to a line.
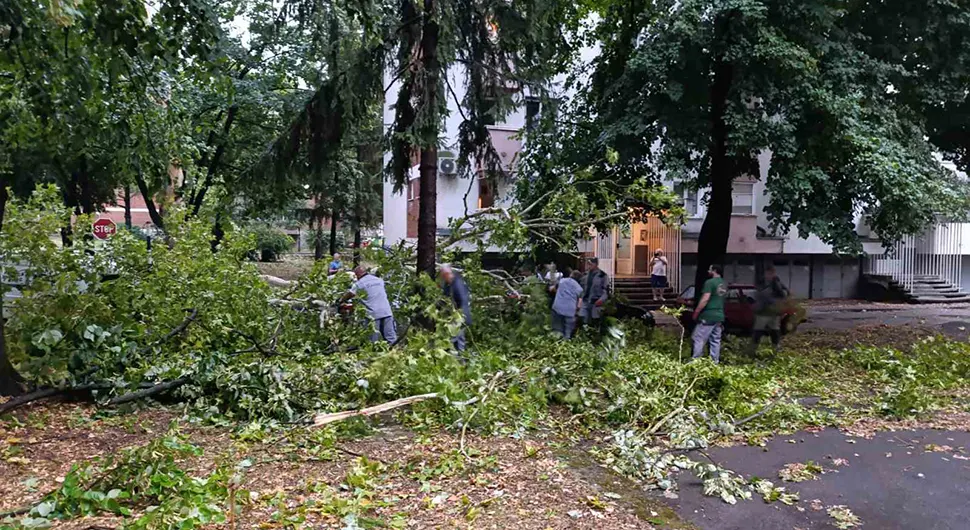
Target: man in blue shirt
568	299
376	303
335	265
456	289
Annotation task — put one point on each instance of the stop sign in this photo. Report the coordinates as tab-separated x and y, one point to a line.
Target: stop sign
104	228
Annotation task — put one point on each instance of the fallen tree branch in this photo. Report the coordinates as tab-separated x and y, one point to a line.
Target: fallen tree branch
193	314
761	412
275	281
324	419
683	400
151	391
15	512
44	393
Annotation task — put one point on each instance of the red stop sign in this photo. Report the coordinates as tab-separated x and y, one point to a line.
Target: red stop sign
104	228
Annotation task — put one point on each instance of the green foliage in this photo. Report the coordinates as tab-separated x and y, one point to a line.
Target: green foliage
147	485
695	91
271	242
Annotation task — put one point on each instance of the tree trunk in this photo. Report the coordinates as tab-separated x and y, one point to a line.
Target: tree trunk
318	237
149	203
713	239
428	199
217	232
213	165
334	219
128	206
10	380
357	241
85	189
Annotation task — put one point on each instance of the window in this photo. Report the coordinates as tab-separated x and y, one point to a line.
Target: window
742	197
488	111
486	193
689	197
532	108
414	196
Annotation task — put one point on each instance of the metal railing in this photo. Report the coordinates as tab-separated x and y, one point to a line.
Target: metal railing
936	254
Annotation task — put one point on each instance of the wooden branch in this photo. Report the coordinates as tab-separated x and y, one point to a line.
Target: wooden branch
44	393
15	512
36	395
324	419
151	391
275	281
762	411
193	313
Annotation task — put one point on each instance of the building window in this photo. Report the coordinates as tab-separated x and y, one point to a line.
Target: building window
488	111
532	108
689	197
486	193
742	198
414	204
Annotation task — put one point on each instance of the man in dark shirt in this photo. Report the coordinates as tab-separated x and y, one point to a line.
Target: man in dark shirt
596	290
456	289
767	310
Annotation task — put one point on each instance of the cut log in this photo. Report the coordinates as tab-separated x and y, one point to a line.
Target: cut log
275	281
323	419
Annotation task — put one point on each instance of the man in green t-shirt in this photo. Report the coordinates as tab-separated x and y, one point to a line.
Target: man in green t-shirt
709	315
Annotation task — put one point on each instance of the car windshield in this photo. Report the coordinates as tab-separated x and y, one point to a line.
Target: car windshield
688	293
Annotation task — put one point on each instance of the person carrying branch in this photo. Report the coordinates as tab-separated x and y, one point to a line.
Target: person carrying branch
455	288
709	315
376	302
767	310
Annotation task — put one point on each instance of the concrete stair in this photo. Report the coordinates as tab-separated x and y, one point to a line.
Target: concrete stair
638	293
932	290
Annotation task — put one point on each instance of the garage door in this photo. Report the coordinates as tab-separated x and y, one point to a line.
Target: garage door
796	274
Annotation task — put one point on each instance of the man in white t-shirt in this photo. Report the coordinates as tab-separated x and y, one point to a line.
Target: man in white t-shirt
658	274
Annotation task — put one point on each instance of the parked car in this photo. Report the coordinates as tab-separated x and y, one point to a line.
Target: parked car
739	310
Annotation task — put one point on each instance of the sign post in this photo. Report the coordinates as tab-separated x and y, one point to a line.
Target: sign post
104	228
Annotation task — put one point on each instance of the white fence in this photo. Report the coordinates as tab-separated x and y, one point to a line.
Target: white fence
934	255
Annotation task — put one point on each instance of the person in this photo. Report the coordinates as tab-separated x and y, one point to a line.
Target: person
335	265
767	310
595	294
456	289
709	315
552	276
567	302
376	303
658	274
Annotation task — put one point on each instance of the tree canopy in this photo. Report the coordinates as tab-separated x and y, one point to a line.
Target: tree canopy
695	90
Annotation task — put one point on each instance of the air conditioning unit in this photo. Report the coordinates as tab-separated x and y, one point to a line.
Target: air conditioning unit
447	164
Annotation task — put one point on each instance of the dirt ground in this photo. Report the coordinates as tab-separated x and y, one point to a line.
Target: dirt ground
290	268
508	483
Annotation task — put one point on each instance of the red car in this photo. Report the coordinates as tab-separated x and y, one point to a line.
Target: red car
739	310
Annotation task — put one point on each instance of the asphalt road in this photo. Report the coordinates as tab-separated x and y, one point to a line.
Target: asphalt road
953	320
891	482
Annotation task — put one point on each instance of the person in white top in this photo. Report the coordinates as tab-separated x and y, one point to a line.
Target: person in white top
658	274
552	277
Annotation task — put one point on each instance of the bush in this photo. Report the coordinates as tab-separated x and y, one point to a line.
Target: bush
271	242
